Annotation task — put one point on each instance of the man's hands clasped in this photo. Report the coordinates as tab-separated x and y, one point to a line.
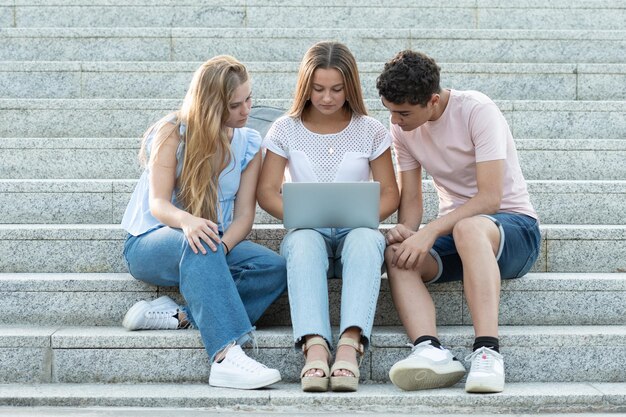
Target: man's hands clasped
410	248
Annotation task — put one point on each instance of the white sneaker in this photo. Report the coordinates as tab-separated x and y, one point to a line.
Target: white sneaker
163	301
427	367
238	370
154	315
487	371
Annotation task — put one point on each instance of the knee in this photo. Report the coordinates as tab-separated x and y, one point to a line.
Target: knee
469	232
366	238
393	273
302	243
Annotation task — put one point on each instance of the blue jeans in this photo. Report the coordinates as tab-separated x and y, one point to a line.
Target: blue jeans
313	255
225	295
520	241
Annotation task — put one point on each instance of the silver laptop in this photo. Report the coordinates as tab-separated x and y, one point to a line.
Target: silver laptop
331	204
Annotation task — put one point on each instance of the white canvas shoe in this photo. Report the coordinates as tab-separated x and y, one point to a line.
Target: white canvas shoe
163	301
487	371
427	367
238	370
157	314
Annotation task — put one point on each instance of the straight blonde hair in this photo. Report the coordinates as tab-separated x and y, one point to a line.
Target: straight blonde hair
207	147
328	55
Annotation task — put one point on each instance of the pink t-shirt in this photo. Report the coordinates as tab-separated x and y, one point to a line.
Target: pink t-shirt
471	129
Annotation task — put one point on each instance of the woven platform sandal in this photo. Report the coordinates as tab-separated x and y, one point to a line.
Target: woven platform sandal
347	383
315	383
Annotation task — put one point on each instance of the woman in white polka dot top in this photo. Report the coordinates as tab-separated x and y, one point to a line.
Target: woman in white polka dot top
327	136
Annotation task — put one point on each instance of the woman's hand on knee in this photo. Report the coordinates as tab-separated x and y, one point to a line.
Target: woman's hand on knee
197	229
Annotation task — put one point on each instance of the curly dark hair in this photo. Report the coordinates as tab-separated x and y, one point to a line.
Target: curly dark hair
409	77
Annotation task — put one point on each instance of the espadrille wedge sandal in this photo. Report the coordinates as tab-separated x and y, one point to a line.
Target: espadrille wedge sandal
347	383
315	383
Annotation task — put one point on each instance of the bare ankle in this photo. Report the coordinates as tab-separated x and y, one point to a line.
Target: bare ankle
183	323
219	356
316	352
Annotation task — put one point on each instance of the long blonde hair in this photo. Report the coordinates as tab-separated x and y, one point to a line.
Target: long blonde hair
328	55
207	147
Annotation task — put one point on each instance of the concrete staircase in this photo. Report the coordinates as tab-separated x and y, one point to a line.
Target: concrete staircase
79	83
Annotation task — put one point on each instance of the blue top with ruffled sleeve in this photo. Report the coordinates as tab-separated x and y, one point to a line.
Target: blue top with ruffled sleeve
244	146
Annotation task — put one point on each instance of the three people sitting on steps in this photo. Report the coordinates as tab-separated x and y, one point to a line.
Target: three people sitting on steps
195	203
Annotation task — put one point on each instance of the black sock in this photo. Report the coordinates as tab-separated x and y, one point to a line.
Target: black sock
433	341
487	341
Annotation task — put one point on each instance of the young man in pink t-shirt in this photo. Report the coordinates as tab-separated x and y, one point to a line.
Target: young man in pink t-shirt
486	230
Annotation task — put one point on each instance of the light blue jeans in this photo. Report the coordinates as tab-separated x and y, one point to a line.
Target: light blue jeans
313	256
225	295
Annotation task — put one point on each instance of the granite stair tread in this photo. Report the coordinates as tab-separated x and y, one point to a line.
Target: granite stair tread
70	282
95	201
168	79
116	158
591	106
115	231
523	398
103	298
104	354
110	337
287	44
535	119
300	13
565	248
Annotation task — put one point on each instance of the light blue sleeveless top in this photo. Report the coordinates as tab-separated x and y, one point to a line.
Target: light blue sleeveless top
244	146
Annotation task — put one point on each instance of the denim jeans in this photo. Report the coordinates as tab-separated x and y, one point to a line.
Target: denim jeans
313	255
520	243
225	295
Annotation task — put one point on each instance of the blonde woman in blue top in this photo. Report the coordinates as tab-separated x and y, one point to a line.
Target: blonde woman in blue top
188	219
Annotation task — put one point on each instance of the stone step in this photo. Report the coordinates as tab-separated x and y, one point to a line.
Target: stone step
104	201
73	299
114	355
98	248
289	44
116	158
320	14
580	159
100	158
286	399
61	118
64	411
518	81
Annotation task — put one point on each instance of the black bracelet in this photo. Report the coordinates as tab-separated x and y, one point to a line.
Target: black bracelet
226	246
